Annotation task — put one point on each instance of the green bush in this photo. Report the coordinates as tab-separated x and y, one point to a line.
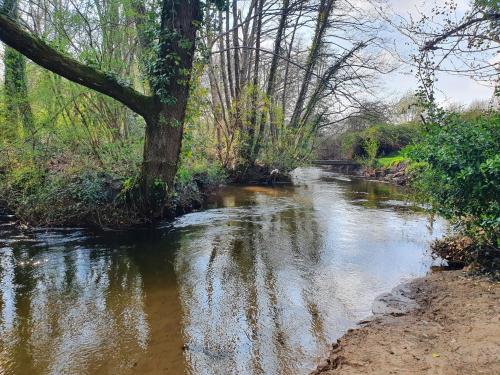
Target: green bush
392	160
460	176
371	145
378	140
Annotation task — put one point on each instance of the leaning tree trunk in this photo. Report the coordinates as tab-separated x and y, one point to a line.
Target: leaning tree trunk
325	9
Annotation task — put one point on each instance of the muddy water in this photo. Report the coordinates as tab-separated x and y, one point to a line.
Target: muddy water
260	283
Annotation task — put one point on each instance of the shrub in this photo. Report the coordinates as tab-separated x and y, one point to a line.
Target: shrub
371	145
461	173
378	140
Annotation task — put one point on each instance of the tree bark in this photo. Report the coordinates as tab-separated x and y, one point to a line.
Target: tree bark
162	145
325	9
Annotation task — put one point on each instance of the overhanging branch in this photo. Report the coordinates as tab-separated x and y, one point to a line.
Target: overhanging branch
432	44
49	58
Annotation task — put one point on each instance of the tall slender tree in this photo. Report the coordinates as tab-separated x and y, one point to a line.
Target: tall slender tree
325	9
16	89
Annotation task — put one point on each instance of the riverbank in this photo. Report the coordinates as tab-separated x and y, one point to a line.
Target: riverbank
396	173
96	200
101	199
445	323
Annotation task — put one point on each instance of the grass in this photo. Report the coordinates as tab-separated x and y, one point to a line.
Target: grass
392	160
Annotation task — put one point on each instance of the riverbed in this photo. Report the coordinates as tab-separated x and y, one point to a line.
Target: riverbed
260	282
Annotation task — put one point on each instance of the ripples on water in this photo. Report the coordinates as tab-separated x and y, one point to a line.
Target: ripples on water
260	283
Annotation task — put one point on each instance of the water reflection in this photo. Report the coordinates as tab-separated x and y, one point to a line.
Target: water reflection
260	283
86	304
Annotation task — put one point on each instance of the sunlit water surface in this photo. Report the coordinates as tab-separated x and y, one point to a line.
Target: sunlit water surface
260	283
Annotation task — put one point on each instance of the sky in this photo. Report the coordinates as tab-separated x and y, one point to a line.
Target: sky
451	89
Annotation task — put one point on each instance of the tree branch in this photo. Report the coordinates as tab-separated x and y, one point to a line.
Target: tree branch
42	54
432	44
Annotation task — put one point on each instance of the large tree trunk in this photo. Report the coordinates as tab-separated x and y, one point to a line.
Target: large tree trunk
164	129
162	146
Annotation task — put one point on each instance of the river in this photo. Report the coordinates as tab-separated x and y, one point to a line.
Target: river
261	282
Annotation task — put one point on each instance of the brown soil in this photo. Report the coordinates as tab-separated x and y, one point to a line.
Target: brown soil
454	330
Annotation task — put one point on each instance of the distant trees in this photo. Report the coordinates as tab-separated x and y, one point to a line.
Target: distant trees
377	127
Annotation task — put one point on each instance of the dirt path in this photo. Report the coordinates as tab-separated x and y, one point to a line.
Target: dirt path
454	330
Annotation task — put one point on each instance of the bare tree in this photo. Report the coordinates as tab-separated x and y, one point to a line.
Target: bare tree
465	44
292	83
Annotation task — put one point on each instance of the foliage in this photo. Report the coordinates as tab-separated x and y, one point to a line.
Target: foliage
82	165
290	149
371	145
462	171
392	160
378	140
76	197
70	187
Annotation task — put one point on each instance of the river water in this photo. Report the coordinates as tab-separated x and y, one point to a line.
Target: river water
259	283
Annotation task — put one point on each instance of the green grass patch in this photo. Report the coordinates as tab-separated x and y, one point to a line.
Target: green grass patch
391	161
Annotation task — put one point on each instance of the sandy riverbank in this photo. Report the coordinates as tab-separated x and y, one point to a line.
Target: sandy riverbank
446	323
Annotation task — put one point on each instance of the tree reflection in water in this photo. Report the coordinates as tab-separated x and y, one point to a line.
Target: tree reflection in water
261	282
